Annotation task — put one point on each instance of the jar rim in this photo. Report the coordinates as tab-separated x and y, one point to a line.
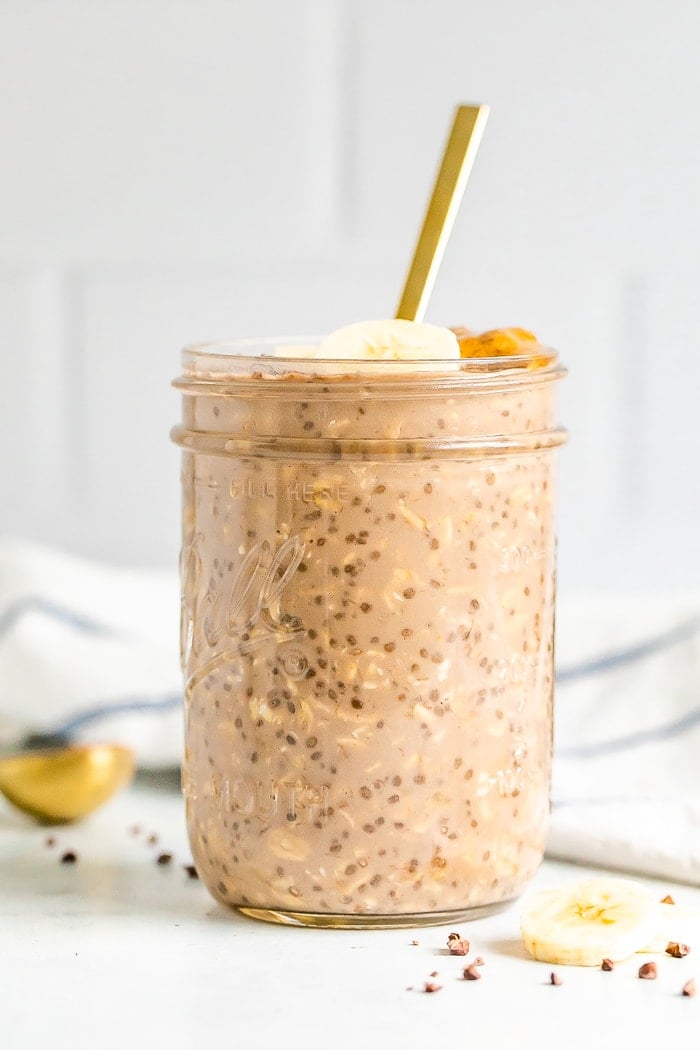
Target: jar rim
212	365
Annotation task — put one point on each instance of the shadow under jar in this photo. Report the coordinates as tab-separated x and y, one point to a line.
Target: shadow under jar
367	631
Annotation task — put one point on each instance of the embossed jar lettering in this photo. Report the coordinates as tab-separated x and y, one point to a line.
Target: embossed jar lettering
250	612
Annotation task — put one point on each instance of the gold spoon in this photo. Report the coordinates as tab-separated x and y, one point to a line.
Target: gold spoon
61	785
458	159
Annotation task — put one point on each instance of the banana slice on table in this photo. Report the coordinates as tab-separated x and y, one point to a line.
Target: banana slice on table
581	924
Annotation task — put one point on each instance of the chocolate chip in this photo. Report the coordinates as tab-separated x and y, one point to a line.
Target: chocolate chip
457	946
471	973
431	986
69	857
677	951
164	858
607	965
648	971
435	974
191	871
152	840
414	944
690	989
554	978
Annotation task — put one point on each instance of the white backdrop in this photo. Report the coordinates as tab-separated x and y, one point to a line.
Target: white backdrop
175	170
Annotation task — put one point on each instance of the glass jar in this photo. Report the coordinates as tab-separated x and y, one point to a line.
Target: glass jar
367	631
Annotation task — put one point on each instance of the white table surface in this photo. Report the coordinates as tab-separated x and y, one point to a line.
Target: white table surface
116	951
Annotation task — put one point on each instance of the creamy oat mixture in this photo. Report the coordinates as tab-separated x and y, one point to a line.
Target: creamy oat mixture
367	638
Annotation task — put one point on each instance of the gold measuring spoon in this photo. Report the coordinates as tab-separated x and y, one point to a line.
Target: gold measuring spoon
57	786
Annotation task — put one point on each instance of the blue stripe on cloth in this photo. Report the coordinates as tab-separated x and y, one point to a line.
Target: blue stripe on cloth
623	658
629	655
632	740
137	705
33	603
61	613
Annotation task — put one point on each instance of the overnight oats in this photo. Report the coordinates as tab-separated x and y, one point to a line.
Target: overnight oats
367	627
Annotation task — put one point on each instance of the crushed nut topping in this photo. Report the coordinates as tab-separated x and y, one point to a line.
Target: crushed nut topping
676	950
457	945
648	971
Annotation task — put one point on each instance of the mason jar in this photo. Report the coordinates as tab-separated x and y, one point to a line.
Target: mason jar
367	631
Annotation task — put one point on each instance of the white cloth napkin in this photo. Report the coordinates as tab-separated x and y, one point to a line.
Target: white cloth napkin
92	650
626	785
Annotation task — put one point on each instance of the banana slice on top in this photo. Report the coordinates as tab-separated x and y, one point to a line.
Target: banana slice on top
393	340
581	924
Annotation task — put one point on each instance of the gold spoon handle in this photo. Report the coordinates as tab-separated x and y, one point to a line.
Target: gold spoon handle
457	162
